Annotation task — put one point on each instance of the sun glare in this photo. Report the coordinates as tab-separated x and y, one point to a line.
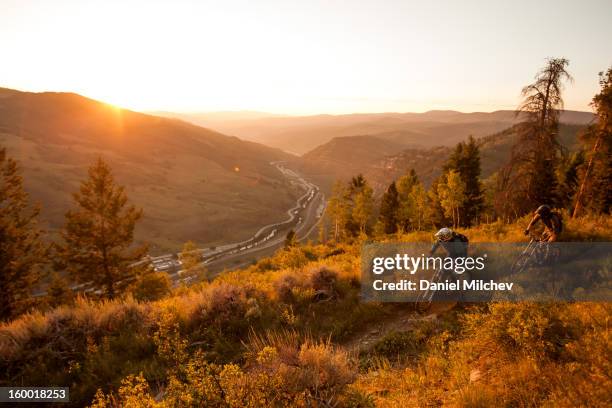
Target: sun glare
277	57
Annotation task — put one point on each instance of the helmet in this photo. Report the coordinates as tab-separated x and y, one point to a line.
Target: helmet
543	210
445	234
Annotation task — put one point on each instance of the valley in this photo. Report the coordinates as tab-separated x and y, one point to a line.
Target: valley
303	219
193	183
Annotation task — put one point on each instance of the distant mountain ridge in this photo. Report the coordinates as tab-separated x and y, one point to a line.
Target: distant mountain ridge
301	134
193	183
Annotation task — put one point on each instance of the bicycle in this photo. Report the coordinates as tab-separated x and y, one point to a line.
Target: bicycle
537	253
425	298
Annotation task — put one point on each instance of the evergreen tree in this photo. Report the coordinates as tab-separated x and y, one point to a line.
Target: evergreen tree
596	180
465	159
356	184
388	210
568	179
529	179
470	174
455	160
290	239
59	292
98	234
21	252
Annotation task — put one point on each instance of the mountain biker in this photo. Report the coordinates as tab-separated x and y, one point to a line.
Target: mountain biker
455	244
553	223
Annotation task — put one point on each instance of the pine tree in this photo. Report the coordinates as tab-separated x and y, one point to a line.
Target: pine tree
529	179
596	180
455	160
389	205
98	234
356	184
465	159
290	239
59	291
473	187
21	252
568	179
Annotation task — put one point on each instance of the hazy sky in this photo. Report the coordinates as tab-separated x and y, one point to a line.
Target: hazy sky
302	57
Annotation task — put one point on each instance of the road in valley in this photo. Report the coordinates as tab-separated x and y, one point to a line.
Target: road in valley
303	218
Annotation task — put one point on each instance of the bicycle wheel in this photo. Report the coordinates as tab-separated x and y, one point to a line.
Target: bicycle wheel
525	258
424	301
520	264
426	297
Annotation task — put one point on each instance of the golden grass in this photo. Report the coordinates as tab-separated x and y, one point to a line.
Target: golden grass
513	354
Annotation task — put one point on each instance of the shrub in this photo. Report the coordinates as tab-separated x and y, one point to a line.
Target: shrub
284	288
322	278
151	286
293	257
306	374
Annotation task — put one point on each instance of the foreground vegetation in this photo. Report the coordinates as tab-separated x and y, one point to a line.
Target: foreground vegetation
273	334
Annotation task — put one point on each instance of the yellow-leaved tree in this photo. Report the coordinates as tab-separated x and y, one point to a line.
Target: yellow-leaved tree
452	195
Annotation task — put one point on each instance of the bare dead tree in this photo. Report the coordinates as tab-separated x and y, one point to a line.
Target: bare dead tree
529	177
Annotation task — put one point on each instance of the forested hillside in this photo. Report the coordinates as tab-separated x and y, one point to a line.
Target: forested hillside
383	161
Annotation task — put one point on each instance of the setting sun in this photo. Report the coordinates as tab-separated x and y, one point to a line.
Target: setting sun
286	57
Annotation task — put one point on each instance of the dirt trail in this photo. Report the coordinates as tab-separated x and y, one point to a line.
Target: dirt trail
402	318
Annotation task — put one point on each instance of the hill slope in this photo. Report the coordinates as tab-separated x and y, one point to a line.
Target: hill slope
193	183
382	161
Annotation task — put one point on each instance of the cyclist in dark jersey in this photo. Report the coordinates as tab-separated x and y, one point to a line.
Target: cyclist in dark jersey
553	224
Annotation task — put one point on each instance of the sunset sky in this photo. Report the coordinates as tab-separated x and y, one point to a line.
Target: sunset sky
302	57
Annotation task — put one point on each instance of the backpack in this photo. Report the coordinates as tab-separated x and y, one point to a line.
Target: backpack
460	237
557	221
